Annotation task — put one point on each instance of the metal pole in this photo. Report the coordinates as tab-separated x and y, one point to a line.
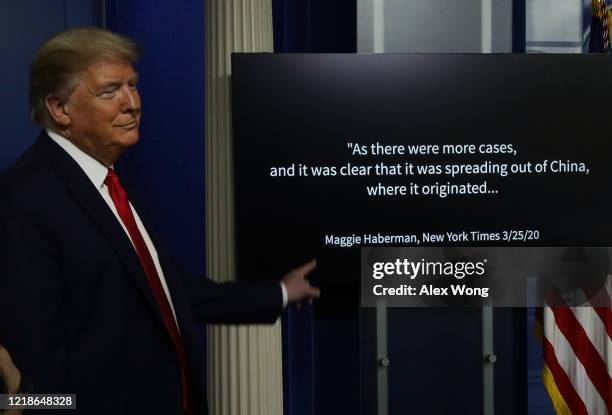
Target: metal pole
489	358
486	25
382	358
379	25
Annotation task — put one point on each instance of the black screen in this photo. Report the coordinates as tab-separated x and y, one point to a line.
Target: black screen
543	116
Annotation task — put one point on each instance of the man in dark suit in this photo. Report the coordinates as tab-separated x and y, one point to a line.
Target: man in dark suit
90	301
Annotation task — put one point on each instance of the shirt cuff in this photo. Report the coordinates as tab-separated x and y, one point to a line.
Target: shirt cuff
285	295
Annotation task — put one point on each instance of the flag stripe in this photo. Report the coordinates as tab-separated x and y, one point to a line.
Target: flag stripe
572	366
564	385
601	304
604	315
596	332
584	350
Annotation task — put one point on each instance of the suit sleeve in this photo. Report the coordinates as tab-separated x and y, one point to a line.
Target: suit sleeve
233	302
219	303
32	326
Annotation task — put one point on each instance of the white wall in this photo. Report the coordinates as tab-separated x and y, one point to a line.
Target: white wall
421	26
554	26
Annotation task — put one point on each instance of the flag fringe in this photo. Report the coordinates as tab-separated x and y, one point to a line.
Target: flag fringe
558	402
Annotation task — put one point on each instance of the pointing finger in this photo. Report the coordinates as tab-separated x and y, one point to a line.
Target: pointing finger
315	292
307	268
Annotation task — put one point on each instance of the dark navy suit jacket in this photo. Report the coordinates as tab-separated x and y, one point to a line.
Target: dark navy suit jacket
76	311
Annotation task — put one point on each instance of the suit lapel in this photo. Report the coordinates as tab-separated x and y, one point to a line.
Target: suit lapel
90	200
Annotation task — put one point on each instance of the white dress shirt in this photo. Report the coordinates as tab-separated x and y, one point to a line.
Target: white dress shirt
96	172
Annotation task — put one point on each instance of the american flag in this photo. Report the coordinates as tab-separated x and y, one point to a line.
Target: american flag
577	358
577	341
601	18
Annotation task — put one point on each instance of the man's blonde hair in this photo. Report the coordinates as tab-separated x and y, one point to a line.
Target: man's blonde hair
60	59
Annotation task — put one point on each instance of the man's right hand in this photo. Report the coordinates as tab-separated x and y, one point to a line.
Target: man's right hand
297	285
8	371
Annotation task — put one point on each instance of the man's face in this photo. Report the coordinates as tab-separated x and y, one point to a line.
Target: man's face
104	110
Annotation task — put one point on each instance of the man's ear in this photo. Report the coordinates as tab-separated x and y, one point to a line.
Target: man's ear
57	110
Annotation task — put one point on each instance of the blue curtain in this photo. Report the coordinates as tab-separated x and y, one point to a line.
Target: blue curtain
168	162
320	343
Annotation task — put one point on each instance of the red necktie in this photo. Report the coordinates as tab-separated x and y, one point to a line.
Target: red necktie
120	199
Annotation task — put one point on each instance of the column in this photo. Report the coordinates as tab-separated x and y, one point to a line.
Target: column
244	362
